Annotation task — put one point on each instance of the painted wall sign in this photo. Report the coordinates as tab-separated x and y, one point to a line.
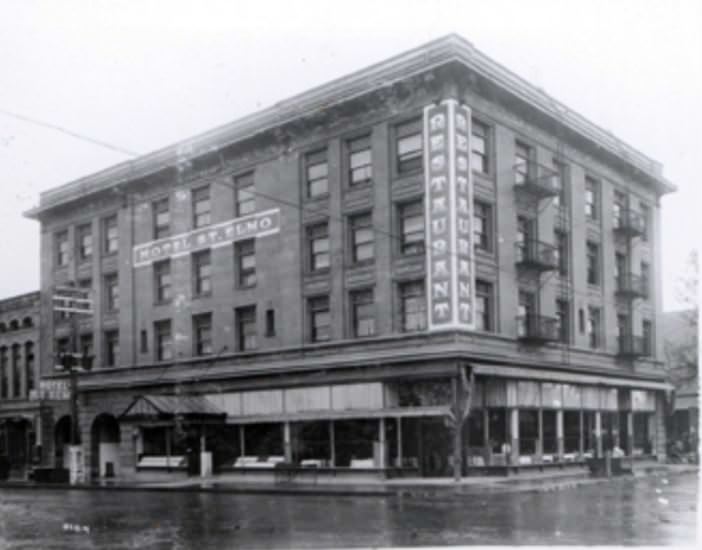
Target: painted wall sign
449	215
53	390
213	236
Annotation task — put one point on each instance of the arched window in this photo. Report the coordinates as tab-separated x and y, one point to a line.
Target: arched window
16	370
14	324
3	328
29	365
27	322
3	372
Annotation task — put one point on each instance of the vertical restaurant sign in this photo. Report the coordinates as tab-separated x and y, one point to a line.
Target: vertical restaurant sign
449	216
212	236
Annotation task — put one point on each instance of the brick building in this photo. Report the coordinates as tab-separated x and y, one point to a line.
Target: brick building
326	281
19	372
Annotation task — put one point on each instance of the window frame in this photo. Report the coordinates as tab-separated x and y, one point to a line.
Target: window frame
244	194
161	230
243	250
413	290
318	157
594	327
564	321
592	198
201	195
486	218
360	299
411	161
111	291
202	334
85	251
596	267
361	222
485	292
110	232
163	340
411	247
62	248
159	286
477	157
525	160
355	146
563	251
314	233
202	272
246	328
111	347
318	305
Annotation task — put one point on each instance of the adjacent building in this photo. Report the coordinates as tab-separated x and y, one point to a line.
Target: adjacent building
20	412
330	282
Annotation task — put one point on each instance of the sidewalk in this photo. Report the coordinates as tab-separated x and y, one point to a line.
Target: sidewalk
415	487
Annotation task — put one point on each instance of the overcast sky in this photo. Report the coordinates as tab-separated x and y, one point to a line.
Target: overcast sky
144	74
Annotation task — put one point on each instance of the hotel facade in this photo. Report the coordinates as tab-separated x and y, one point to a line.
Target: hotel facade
336	283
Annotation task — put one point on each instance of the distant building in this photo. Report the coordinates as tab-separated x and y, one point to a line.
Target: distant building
20	420
321	282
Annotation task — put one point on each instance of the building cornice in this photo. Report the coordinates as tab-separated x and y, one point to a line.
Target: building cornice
440	52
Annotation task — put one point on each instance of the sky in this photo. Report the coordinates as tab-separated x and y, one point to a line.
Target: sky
144	74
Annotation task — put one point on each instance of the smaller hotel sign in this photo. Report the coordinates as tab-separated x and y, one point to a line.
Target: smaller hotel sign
449	215
213	236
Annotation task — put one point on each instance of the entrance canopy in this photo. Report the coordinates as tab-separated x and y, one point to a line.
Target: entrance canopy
191	408
566	377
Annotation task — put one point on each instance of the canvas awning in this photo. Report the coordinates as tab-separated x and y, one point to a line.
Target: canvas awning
563	377
192	408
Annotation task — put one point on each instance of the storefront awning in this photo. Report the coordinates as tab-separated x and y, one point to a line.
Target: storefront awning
167	407
544	375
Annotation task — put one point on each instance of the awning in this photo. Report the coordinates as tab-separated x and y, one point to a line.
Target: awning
544	375
167	407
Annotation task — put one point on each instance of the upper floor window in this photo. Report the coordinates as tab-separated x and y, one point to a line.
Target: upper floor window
110	243
162	281
479	147
618	207
411	216
162	218
111	292
482	226
202	333
246	328
317	173
245	253
360	161
363	313
484	306
202	273
647	336
409	146
29	362
413	306
245	196
594	327
319	318
361	237
318	246
522	156
646	219
61	243
563	319
593	263
85	241
4	389
201	206
592	198
561	199
163	340
111	348
646	278
621	267
561	238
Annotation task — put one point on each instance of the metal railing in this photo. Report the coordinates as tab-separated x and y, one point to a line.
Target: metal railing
632	285
629	222
631	346
537	328
536	254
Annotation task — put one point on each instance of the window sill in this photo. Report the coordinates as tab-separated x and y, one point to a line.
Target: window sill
352	187
318	272
106	255
244	287
202	295
163	303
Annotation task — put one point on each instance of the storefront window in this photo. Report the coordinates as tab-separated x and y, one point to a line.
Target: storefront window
422	393
311	441
528	431
589	434
571	432
353	441
643	443
264	440
499	431
550	434
610	430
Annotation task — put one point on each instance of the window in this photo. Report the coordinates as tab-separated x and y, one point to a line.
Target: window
479	147
201	207
61	241
647	336
594	327
561	239
591	198
360	161
522	155
85	242
202	273
111	292
86	347
246	328
411	216
620	268
163	340
319	318
526	309
361	237
245	252
162	218
202	333
618	208
563	320
484	300
270	323
363	313
29	365
317	174
4	389
162	281
413	306
482	226
318	246
111	237
561	199
645	219
143	341
245	197
593	263
646	278
111	348
17	376
623	326
525	232
409	147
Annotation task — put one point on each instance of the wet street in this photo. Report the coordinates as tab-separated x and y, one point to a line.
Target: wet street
650	511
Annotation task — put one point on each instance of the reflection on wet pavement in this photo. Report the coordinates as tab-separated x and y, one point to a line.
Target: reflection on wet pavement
650	511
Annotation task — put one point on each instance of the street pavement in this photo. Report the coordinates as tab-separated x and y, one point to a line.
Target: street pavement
658	509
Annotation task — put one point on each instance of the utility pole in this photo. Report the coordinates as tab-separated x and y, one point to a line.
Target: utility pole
74	301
